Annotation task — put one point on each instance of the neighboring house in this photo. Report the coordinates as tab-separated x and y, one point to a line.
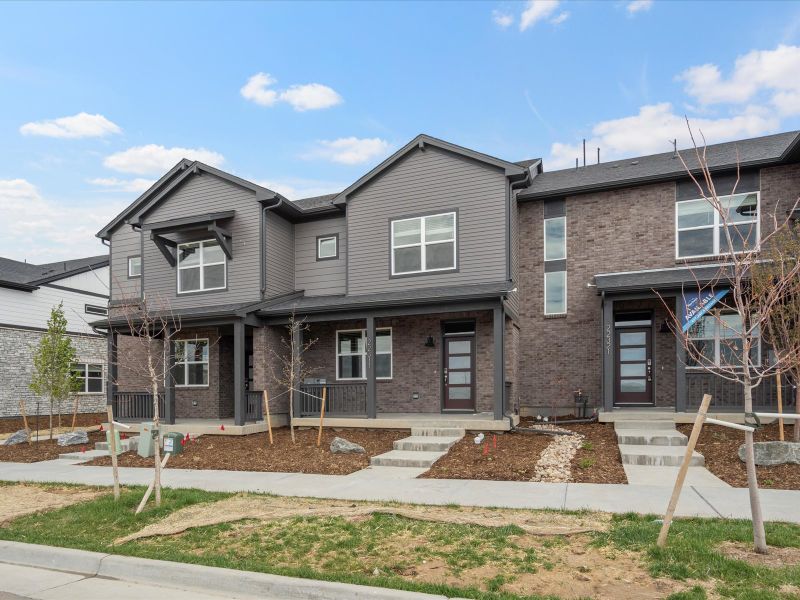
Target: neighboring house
442	281
27	295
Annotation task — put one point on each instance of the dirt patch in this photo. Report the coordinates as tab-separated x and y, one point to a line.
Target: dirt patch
777	557
12	424
45	449
598	459
253	452
268	509
20	500
720	447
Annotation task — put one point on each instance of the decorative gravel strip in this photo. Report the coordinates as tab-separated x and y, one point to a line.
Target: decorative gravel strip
554	464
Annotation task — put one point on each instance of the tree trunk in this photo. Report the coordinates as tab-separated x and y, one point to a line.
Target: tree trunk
291	412
51	418
759	535
156	447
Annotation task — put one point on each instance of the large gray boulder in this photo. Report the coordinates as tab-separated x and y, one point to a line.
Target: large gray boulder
73	438
774	453
17	437
342	446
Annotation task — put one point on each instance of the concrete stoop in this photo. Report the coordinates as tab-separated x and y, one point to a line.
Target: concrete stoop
658	456
127	445
424	447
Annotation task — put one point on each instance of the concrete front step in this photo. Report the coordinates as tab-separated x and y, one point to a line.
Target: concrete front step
406	458
660	456
659	424
126	445
88	455
651	437
438	431
426	443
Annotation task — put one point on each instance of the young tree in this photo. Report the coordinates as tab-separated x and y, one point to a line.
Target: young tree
52	363
747	314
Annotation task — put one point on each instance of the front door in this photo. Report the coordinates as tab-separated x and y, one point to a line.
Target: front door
634	367
459	373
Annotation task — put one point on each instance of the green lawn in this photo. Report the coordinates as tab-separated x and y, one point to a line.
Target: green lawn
452	559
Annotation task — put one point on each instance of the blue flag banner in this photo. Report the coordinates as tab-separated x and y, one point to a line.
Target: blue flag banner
699	303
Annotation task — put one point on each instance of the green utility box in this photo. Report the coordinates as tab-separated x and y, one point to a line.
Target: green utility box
116	439
147	437
172	442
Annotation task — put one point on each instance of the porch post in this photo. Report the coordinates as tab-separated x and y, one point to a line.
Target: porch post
239	398
680	360
499	363
111	371
608	354
372	411
169	383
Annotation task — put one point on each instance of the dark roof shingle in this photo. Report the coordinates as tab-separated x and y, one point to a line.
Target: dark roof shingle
27	274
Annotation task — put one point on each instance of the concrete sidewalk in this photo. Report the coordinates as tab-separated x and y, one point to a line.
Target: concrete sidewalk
778	505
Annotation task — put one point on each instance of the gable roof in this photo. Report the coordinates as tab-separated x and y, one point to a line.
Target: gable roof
27	276
770	149
511	169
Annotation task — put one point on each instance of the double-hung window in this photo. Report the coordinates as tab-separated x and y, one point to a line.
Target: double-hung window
555	274
201	266
134	266
89	377
700	229
191	363
424	244
717	340
351	354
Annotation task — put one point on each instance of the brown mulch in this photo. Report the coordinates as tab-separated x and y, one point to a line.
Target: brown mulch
720	447
253	452
12	424
598	460
44	449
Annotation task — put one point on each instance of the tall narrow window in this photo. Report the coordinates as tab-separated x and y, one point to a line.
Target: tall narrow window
555	238
555	293
700	230
201	266
424	244
555	259
134	266
351	354
191	363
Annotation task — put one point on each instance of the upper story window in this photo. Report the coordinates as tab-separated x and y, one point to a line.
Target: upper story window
134	266
328	247
700	229
424	244
555	263
201	267
351	354
89	376
191	363
555	238
93	309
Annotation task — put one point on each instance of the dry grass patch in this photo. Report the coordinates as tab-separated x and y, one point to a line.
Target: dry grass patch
19	500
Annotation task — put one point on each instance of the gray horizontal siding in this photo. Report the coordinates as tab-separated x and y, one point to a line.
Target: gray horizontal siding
125	242
424	182
279	255
325	277
206	194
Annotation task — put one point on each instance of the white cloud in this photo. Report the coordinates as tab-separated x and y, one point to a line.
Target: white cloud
636	6
772	75
650	132
42	230
297	187
560	18
82	125
137	185
502	19
153	159
535	11
349	150
308	96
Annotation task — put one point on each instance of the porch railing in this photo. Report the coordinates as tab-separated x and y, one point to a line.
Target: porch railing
255	405
136	406
342	399
727	396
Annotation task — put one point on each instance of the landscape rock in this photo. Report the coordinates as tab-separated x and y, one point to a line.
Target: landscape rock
554	464
73	438
342	446
774	453
17	437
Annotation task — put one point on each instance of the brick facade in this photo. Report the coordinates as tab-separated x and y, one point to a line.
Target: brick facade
17	347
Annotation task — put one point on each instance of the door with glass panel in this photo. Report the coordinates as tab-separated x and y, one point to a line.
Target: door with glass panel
459	373
634	367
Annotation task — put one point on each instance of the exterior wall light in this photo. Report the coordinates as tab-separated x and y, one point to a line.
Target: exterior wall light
429	342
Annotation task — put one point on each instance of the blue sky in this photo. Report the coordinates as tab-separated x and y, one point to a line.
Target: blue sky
97	100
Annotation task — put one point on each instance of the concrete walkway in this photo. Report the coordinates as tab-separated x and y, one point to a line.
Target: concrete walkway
778	505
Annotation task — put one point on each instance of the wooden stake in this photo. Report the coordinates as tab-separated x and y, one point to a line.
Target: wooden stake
25	421
780	403
266	412
321	415
687	458
113	449
75	413
150	487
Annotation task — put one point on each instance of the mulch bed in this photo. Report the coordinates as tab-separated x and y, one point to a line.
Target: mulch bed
598	461
253	452
12	424
44	449
720	447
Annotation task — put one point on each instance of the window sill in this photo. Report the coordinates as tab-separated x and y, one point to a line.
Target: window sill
90	393
191	387
558	316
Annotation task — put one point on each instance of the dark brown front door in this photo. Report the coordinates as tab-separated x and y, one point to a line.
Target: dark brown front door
634	367
459	373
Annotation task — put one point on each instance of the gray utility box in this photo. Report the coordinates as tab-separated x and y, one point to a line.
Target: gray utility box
118	441
147	437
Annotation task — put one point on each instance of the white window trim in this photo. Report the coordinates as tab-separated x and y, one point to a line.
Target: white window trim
185	364
335	246
716	339
85	366
130	259
544	238
200	266
716	226
364	354
422	243
545	294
